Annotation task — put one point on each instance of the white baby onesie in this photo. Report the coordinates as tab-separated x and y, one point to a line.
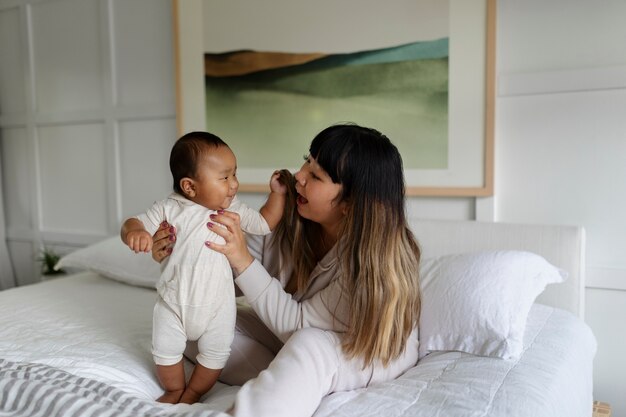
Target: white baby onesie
196	290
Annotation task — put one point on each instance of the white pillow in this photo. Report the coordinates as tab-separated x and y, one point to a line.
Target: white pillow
113	259
478	302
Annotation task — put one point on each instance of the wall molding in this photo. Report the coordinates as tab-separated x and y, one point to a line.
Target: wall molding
120	119
563	81
607	278
120	113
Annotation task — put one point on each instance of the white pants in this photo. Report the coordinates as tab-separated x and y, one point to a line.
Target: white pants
290	380
310	366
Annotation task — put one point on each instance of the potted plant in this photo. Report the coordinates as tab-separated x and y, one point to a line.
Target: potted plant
48	258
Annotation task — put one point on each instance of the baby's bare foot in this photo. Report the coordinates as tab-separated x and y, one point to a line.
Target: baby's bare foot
189	397
170	397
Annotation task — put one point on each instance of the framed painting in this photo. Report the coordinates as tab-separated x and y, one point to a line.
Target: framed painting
420	71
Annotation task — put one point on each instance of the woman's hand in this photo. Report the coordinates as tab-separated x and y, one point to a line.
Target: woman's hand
235	247
163	241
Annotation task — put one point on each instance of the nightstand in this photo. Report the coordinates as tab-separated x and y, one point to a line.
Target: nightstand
601	409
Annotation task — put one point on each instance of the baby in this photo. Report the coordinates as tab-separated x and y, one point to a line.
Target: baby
196	291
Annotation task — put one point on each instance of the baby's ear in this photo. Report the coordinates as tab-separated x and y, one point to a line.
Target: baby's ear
188	186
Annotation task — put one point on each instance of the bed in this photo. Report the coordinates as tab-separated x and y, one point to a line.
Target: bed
501	333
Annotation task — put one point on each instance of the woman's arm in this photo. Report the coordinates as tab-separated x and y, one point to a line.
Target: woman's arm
326	309
278	310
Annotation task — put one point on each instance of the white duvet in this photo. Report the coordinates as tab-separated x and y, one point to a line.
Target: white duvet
95	328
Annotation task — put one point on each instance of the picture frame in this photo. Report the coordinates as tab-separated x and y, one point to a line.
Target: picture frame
202	26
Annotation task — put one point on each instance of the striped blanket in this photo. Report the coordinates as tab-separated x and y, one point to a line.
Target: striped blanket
36	390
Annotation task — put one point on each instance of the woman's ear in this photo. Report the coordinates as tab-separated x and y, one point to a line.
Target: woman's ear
345	206
188	186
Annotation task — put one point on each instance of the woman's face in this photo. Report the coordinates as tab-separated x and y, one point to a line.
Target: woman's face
317	194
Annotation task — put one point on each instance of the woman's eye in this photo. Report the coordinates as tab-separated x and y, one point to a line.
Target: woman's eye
306	158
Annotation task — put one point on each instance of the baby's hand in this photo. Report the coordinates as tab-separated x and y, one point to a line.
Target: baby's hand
277	184
139	241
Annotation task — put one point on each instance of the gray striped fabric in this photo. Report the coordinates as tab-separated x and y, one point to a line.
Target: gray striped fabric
36	390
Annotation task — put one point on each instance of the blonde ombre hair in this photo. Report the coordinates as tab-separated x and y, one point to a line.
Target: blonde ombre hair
379	255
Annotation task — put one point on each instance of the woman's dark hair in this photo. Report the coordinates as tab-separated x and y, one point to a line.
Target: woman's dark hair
379	256
186	153
363	161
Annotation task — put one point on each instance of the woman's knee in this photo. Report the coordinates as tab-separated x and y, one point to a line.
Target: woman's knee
313	346
247	358
315	337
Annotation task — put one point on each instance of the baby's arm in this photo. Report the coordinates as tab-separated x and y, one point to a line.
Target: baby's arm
135	235
273	208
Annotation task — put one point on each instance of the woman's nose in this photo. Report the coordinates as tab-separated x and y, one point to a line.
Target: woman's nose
300	178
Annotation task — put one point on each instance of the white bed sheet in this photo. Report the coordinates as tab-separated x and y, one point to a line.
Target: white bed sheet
92	327
551	378
96	328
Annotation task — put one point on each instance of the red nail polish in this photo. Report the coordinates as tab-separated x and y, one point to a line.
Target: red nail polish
212	216
220	212
209	224
208	244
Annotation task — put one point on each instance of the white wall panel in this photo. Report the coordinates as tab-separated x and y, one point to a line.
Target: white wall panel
84	85
443	209
23	258
12	83
67	55
144	163
16	171
539	35
562	160
561	147
604	311
73	178
144	63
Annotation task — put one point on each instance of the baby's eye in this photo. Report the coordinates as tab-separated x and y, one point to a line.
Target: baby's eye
306	157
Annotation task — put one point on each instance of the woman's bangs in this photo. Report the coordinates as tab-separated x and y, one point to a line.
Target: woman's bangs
328	154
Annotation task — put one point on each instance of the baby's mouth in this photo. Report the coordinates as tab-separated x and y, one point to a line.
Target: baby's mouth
227	202
301	200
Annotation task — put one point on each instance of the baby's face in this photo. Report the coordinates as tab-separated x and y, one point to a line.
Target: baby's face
216	178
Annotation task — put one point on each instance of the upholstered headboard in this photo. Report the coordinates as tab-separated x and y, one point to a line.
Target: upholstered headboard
563	246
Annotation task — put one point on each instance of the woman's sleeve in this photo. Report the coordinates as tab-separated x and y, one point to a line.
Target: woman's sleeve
281	313
256	246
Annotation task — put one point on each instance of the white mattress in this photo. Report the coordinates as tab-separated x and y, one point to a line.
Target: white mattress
99	329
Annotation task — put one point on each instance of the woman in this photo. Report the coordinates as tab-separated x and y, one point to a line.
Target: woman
345	300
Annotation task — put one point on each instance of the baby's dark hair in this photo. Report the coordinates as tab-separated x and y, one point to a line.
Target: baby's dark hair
187	151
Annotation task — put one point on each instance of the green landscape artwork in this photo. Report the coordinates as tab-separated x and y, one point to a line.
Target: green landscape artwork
269	105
